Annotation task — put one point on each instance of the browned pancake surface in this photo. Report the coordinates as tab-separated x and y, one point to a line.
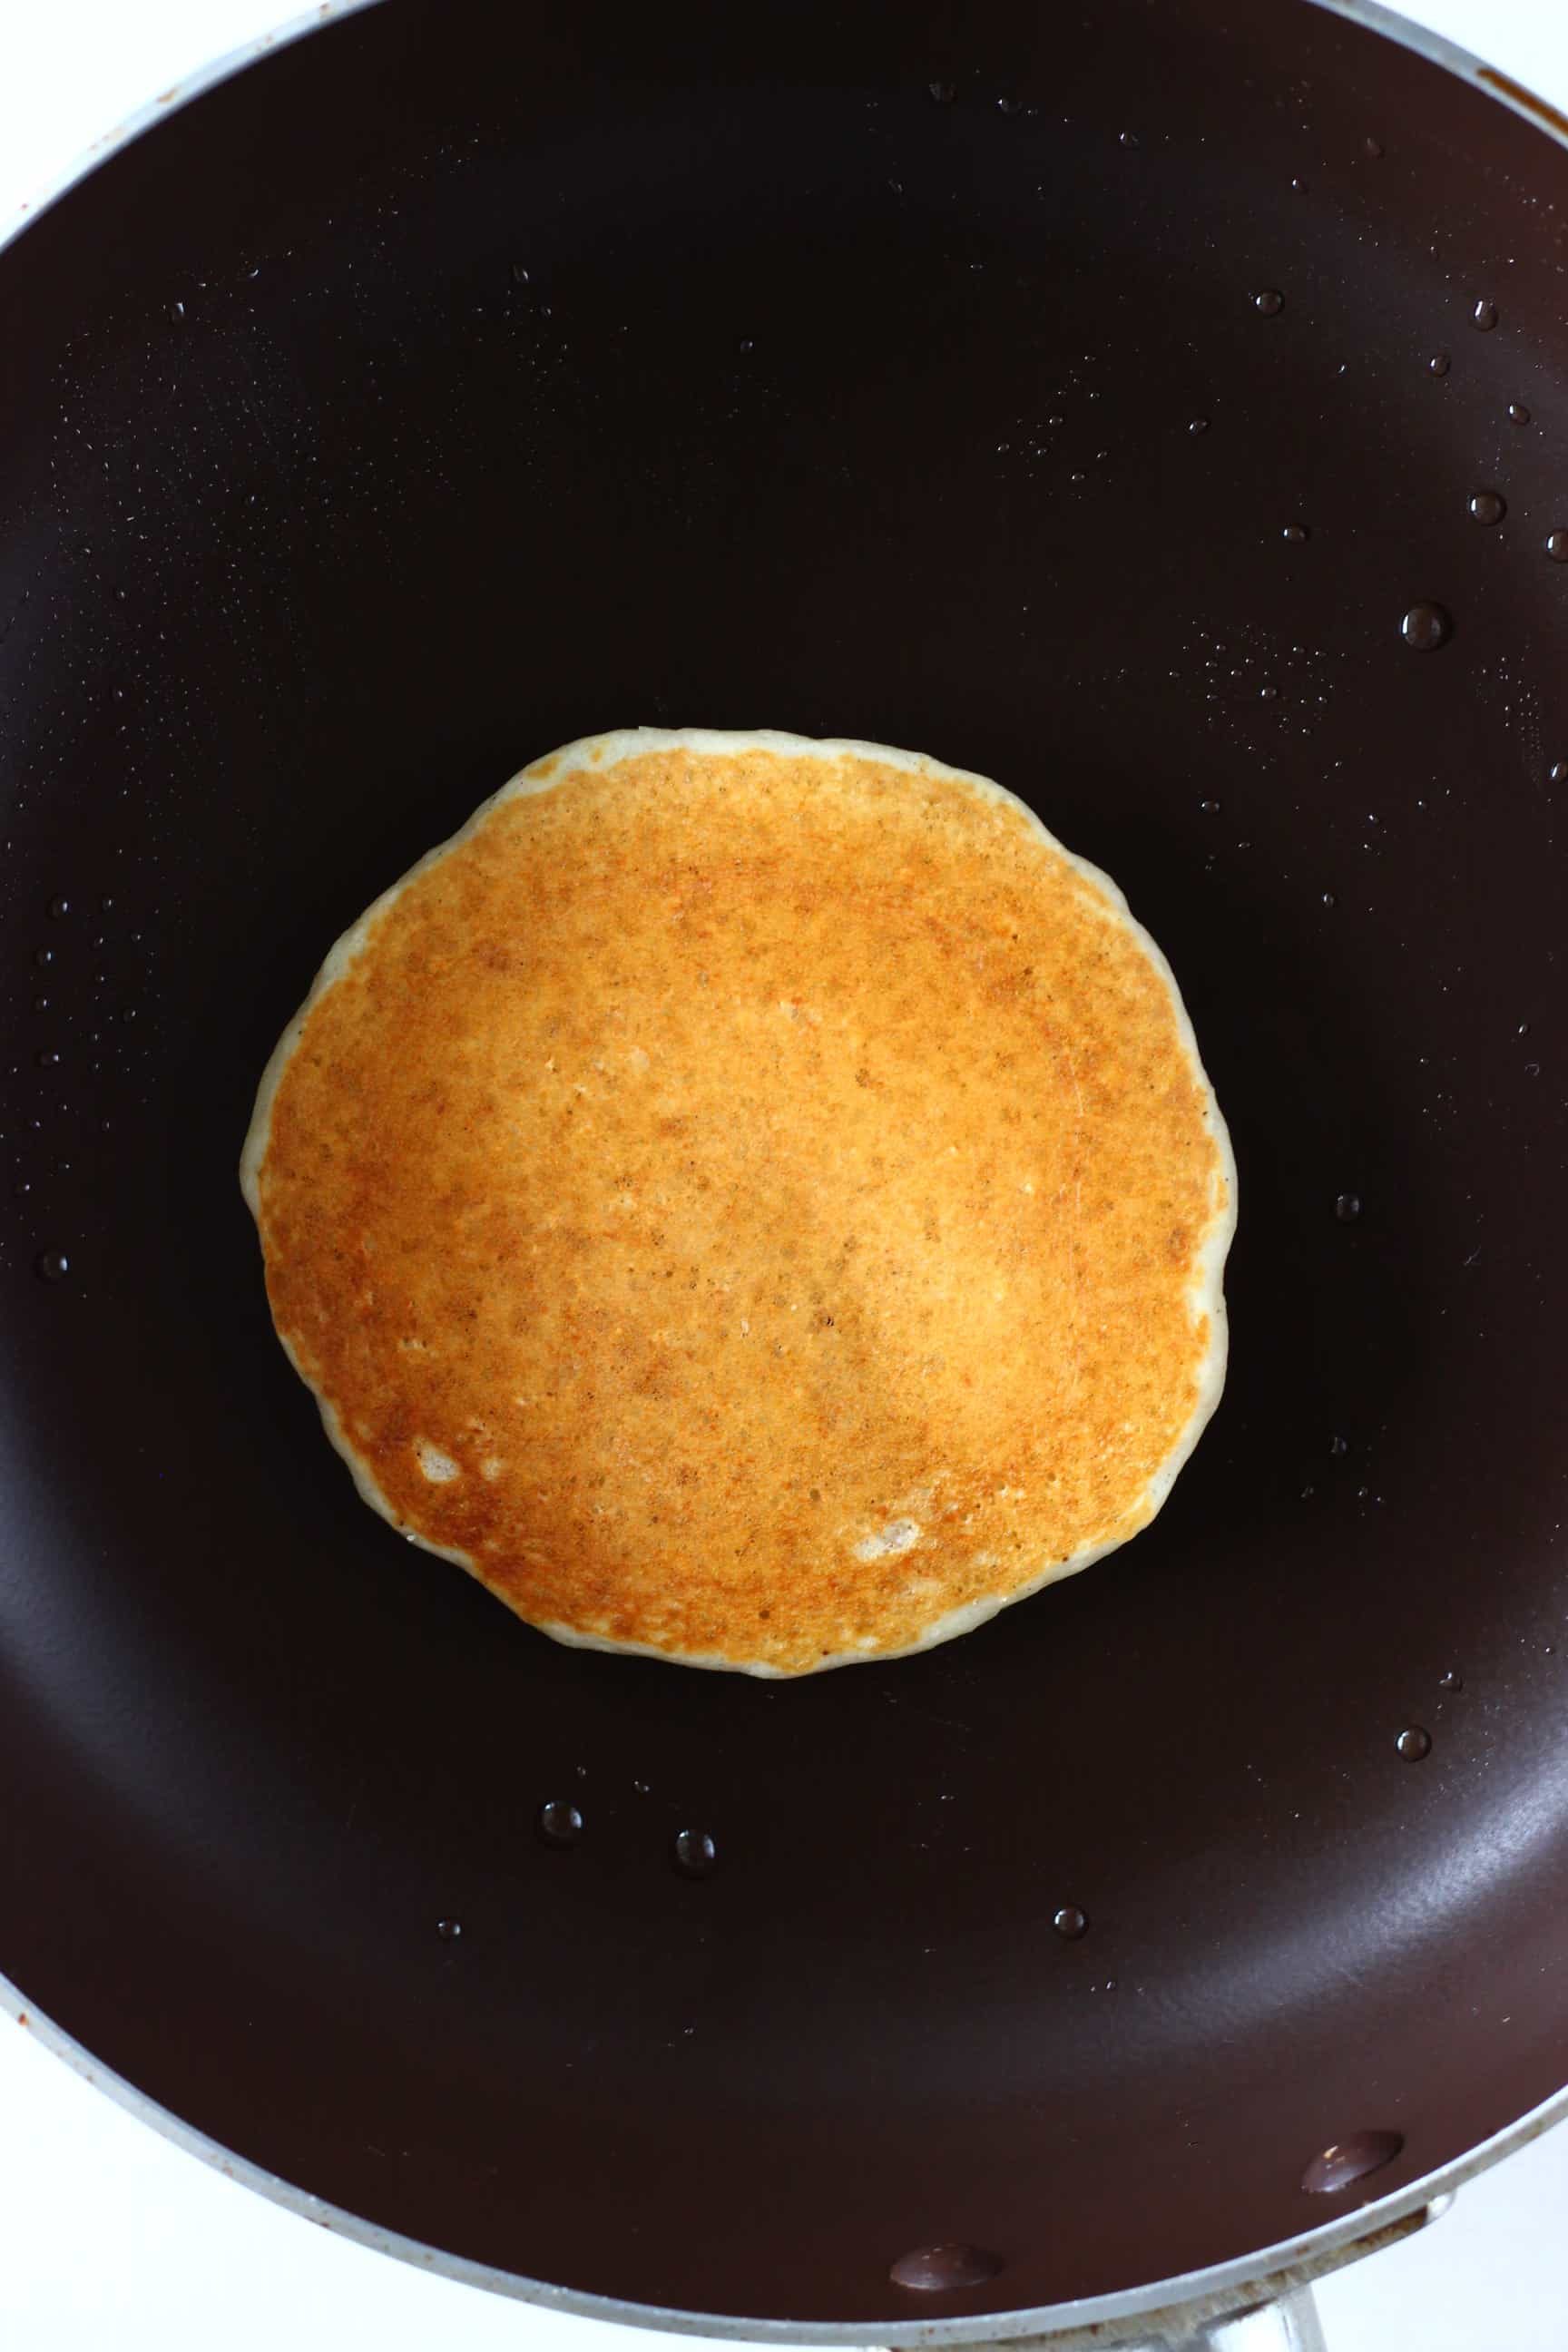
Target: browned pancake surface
767	1187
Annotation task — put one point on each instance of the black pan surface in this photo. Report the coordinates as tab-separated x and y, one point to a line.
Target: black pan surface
461	380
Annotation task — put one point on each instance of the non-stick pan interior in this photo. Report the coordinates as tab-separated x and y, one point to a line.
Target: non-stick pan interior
447	387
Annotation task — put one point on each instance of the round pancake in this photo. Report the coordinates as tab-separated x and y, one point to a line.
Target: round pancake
751	1201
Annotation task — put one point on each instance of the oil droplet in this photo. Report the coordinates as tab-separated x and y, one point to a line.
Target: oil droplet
1009	106
1268	302
54	1266
1488	505
1351	2160
1439	363
1209	808
1372	149
106	906
42	955
58	907
1413	1744
40	1003
559	1823
1294	534
1338	1446
1557	546
1483	314
1070	1923
1330	899
945	92
1517	413
1268	693
448	1930
1347	1207
1558	772
1199	424
1127	139
941	2270
1426	626
1452	1681
694	1852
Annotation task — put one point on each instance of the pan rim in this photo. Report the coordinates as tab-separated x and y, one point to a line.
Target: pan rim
1291	2262
1269	2269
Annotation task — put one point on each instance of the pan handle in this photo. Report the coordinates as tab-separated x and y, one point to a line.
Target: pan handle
1282	2318
1289	2325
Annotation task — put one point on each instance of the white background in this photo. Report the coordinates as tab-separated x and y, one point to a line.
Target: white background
111	2238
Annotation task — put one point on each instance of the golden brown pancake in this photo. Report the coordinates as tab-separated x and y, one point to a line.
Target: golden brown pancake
750	1200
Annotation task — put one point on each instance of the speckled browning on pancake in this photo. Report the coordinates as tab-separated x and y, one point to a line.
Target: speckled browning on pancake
752	1199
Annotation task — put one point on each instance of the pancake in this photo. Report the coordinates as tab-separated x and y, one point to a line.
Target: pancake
752	1202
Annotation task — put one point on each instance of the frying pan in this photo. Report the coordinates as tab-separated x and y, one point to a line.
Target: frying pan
1087	401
